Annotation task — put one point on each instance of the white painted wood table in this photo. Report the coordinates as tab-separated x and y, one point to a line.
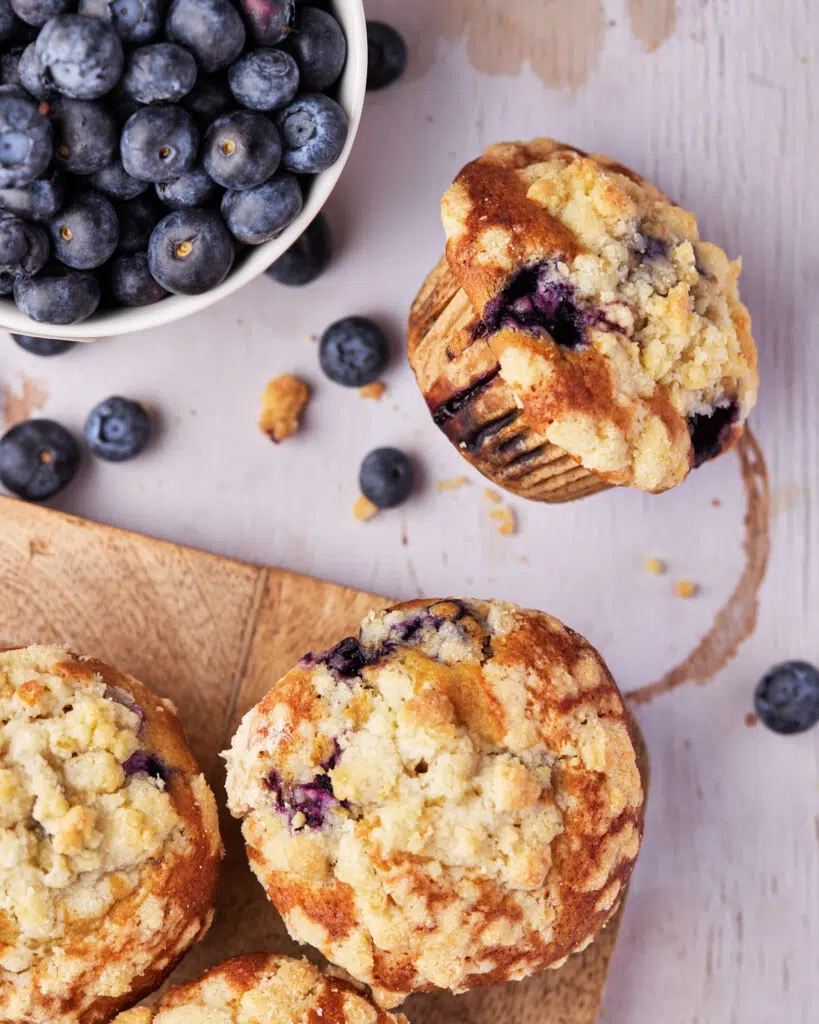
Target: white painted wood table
716	102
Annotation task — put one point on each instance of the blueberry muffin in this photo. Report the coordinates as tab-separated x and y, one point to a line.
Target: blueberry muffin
578	334
450	800
259	988
109	842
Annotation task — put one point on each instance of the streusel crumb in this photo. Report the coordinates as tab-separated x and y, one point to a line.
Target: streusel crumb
283	402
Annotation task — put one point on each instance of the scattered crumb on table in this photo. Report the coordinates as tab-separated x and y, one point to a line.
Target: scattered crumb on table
716	502
312	338
685	588
452	485
751	720
283	401
491	495
654	566
374	390
524	559
506	520
364	510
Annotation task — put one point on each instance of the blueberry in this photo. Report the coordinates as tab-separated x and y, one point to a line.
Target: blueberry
386	477
264	79
38	12
85	135
787	697
319	46
190	251
536	302
212	29
25	139
135	21
83	56
307	258
159	143
137	219
116	182
142	763
24	250
10	68
8	20
117	429
58	295
313	129
193	188
84	232
209	98
353	352
270	21
32	75
38	458
38	200
387	55
241	149
42	346
132	283
258	214
159	73
711	431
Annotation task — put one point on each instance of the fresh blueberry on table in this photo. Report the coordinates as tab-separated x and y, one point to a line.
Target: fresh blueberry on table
38	458
135	21
8	20
82	56
132	283
787	697
84	233
353	351
191	251
269	21
210	97
58	295
193	188
313	129
38	200
264	79
38	12
307	258
159	143
387	55
319	46
85	135
211	29
137	219
386	477
116	182
256	215
42	346
117	429
159	73
25	139
241	149
32	76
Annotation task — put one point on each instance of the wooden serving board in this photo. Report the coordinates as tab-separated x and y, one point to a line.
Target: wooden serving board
213	635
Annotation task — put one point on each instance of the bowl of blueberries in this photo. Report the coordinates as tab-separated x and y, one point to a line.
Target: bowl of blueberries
156	155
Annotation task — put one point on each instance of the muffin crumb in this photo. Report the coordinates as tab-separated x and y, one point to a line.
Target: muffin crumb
751	720
685	588
364	510
715	503
452	484
491	495
654	566
283	402
374	390
506	520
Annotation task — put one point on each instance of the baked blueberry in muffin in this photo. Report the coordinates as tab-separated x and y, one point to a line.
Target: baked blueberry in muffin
450	799
578	333
262	987
109	841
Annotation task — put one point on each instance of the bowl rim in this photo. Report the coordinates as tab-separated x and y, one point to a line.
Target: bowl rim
352	89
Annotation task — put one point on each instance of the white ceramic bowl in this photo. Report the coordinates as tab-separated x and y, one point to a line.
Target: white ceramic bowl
352	88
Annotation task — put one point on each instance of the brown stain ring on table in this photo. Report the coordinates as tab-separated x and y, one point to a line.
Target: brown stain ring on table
736	620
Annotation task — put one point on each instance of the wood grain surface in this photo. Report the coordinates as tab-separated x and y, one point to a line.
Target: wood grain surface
213	635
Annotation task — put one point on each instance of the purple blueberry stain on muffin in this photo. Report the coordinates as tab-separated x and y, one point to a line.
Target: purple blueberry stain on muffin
143	763
710	432
124	698
306	805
